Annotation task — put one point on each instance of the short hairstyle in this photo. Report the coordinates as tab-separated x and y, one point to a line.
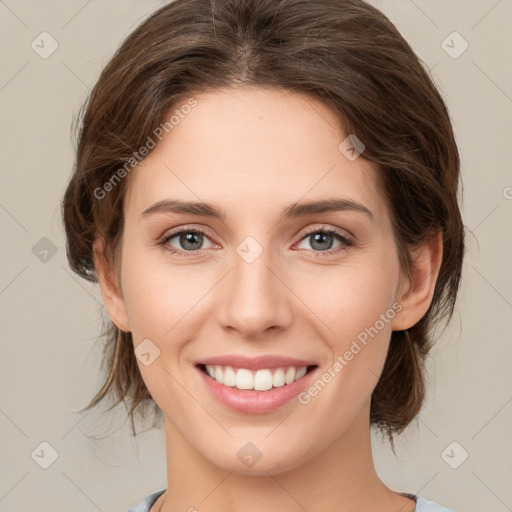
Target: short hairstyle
344	53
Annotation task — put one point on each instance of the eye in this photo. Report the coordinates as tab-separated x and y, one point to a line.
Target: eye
322	240
187	241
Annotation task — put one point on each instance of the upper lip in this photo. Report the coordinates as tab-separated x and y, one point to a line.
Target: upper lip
255	363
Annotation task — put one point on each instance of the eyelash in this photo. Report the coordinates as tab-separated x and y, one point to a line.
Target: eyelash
331	231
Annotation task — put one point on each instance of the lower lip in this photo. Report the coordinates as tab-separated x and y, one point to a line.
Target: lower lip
255	402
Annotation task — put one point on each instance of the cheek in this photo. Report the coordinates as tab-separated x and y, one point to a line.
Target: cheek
162	302
355	308
354	316
157	295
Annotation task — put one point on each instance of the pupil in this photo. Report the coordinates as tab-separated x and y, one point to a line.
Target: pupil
318	238
191	238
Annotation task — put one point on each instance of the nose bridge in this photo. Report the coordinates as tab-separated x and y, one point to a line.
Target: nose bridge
255	299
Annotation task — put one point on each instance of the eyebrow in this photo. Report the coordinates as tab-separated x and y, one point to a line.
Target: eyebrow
291	211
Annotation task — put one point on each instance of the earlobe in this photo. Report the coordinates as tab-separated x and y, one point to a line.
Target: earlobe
415	294
110	291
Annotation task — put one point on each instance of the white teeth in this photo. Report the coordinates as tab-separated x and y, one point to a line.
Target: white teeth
229	377
278	378
301	372
260	380
263	380
244	378
290	375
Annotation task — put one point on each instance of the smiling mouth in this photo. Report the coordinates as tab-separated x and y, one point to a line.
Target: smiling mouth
257	380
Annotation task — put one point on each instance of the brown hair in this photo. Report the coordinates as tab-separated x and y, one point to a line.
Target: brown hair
345	53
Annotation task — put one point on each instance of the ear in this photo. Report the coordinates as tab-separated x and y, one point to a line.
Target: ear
110	290
415	293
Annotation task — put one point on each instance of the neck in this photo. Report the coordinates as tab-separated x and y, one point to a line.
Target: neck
341	477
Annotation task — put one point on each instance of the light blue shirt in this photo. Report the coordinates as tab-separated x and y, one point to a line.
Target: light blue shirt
422	505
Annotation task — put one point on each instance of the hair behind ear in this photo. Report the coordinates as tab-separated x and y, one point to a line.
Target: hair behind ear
394	407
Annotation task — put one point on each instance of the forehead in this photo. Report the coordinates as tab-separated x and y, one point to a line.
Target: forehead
253	148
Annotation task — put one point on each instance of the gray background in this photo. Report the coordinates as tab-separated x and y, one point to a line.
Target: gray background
50	317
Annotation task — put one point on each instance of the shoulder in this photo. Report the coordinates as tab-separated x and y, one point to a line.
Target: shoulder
147	502
423	505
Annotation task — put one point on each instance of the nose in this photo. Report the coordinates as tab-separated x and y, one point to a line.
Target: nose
255	297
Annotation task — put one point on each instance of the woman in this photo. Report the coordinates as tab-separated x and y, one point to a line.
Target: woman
221	147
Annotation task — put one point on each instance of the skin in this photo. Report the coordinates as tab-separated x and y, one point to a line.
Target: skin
251	152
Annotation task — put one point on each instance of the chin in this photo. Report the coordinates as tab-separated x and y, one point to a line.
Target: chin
250	461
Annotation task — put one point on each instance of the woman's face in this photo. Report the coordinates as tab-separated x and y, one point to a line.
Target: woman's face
268	278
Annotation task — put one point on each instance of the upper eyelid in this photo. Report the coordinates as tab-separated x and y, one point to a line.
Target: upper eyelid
329	228
184	229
